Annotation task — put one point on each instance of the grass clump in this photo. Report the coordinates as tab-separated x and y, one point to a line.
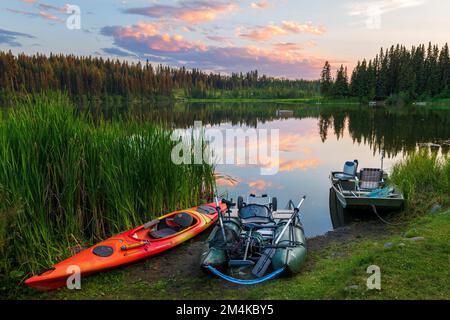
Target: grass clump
424	178
66	181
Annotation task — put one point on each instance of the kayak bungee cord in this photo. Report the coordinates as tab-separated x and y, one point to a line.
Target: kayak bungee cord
268	277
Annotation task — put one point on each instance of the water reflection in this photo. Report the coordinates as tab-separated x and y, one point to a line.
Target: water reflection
314	140
396	130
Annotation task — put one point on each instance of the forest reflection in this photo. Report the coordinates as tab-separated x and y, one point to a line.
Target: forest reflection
397	130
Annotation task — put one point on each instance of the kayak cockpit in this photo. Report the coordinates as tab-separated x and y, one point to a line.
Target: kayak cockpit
166	227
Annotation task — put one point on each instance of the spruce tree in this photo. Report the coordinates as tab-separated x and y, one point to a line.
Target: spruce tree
326	82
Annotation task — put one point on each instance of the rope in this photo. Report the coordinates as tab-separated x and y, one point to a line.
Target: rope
384	221
246	282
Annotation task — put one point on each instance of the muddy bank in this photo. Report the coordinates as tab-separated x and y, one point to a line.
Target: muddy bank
181	264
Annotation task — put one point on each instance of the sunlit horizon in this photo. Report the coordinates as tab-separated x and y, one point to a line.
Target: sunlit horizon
285	39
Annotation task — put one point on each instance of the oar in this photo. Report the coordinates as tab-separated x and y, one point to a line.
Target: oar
220	220
266	258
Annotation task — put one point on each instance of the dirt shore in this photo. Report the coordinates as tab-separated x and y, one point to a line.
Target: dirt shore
182	263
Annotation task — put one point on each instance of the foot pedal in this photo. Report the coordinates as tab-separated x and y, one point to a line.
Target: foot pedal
240	263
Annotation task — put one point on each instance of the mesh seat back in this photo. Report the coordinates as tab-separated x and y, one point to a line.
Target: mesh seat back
371	178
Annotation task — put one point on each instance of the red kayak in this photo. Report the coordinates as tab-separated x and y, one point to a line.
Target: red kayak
139	243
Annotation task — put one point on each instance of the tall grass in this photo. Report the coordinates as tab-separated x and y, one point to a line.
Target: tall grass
66	180
424	177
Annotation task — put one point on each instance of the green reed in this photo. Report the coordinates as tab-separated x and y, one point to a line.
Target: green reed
424	177
66	180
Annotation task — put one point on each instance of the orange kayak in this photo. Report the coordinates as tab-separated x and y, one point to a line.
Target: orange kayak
139	243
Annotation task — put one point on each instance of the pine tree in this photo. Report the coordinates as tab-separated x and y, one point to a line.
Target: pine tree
326	82
340	87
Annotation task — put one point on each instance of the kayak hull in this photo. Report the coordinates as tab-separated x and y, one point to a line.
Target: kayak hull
122	249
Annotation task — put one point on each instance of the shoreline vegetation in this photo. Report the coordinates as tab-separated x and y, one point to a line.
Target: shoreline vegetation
67	181
396	76
412	253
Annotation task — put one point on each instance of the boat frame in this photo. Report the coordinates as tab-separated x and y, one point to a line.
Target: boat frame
349	196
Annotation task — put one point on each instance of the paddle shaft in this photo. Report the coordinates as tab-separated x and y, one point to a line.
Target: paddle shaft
296	210
220	220
266	258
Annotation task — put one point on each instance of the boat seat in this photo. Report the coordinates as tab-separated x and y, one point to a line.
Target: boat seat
257	226
163	233
182	221
370	179
349	171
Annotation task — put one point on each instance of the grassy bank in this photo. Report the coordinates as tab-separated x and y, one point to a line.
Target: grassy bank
413	258
67	181
314	100
409	270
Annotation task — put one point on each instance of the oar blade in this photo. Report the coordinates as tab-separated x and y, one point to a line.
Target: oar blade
263	263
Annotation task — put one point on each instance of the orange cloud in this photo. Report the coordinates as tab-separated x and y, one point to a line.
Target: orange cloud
222	182
260	184
287	27
295	165
49	16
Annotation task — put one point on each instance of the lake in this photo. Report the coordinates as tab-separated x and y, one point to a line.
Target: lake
314	140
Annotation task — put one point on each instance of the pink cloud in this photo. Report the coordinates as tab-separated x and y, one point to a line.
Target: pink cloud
193	11
41	13
260	184
288	46
50	16
308	27
148	34
295	165
263	34
145	42
223	182
48	7
263	4
287	27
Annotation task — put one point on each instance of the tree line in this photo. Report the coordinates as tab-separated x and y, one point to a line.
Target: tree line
95	76
418	73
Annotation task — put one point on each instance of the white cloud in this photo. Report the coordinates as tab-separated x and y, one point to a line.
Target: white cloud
364	8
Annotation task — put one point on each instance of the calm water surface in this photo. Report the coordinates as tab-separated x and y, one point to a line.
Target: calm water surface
314	140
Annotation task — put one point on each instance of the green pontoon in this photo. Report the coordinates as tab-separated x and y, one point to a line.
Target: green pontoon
260	242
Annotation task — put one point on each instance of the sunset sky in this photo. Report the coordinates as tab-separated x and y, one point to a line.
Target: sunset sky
284	38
